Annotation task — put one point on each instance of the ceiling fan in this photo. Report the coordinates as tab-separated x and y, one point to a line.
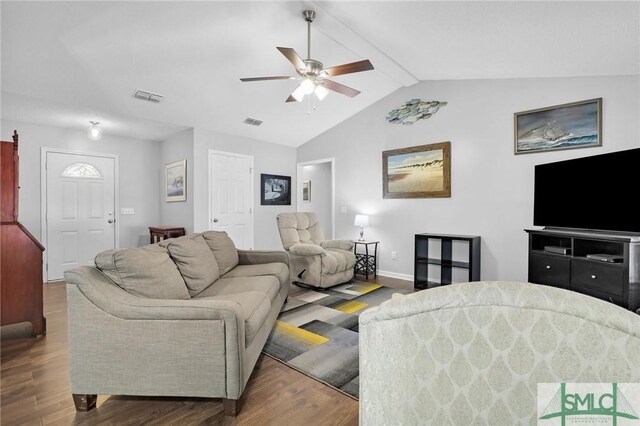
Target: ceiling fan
314	76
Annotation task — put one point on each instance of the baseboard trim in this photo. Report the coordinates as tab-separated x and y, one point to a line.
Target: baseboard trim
397	275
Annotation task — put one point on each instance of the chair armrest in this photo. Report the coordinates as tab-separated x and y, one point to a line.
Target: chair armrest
106	295
256	257
337	244
306	250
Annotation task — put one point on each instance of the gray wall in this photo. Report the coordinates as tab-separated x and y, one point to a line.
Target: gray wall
138	162
178	213
267	158
492	189
320	177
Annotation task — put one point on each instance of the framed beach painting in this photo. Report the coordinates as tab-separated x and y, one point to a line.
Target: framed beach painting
566	126
175	176
276	190
418	172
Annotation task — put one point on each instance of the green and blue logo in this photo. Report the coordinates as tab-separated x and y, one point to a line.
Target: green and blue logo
589	403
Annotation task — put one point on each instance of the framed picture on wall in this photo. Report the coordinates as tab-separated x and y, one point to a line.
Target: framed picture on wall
175	177
418	172
275	190
306	191
566	126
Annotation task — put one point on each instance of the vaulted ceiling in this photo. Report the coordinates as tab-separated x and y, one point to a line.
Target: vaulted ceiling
64	63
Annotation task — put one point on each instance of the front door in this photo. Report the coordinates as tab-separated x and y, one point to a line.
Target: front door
80	210
231	197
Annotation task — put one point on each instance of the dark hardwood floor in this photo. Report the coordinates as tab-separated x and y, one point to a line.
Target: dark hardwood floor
35	387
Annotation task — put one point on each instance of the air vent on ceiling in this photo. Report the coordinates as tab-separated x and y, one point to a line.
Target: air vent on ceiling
253	121
147	96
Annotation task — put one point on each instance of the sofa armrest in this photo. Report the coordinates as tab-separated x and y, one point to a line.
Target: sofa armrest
307	250
256	257
338	244
106	295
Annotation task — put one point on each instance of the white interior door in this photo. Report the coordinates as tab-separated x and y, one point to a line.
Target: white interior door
231	196
80	210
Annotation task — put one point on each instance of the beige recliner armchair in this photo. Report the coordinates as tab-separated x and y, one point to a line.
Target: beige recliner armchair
313	260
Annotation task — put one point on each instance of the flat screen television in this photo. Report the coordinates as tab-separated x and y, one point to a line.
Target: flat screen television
595	193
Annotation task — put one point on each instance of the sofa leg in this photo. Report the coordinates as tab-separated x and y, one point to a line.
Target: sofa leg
84	402
232	406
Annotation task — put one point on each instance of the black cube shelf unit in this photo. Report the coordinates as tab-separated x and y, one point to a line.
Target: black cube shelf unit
444	259
616	282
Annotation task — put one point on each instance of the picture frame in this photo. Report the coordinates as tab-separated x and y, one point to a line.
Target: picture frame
306	191
175	181
559	127
275	190
422	171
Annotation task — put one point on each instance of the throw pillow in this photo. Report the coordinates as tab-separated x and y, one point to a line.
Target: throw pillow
223	249
195	261
144	271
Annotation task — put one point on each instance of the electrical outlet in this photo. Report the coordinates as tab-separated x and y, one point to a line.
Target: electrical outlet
343	209
394	255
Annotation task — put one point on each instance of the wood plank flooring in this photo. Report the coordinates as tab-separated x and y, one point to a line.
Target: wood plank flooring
35	387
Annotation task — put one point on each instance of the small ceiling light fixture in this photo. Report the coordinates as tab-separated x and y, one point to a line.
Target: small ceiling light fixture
95	132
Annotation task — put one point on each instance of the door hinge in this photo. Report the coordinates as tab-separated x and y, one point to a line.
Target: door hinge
250	170
46	267
250	210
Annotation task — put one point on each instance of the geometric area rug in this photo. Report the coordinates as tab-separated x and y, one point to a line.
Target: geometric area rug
316	332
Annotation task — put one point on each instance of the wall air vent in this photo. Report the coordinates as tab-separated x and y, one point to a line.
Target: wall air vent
253	121
148	96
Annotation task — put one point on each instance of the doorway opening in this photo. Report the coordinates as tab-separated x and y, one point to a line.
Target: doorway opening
315	185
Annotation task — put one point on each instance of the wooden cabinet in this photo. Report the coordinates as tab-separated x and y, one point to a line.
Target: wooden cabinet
20	252
617	282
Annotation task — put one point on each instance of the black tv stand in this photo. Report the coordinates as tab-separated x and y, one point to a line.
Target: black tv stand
616	282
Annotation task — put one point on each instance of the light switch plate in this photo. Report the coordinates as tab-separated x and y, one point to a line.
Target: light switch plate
343	209
127	210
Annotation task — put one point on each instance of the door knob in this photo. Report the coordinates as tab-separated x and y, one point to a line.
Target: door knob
215	219
110	221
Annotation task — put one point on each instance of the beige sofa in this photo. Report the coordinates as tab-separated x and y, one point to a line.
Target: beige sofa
313	260
474	353
185	317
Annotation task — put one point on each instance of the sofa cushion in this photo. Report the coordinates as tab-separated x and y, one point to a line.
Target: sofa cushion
195	261
277	269
268	285
337	260
223	249
256	308
144	271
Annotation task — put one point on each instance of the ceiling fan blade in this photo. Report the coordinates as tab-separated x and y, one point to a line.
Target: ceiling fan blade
349	68
291	99
293	57
340	88
279	77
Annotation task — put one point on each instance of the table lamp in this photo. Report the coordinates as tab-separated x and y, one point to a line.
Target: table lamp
362	220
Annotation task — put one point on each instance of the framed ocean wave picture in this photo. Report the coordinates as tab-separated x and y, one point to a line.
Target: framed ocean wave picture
566	126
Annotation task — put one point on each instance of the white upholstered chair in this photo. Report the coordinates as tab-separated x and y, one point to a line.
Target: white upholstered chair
474	353
313	260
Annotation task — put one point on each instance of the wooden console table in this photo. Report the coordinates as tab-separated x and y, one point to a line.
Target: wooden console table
159	233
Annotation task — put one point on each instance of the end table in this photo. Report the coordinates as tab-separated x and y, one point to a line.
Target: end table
367	262
159	233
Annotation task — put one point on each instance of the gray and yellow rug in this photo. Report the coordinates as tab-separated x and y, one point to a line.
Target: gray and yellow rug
317	332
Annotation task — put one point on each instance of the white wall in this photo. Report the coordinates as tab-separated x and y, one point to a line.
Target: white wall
492	189
320	177
138	161
178	213
267	158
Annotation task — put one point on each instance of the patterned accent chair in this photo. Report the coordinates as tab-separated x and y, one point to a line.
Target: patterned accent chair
313	260
474	353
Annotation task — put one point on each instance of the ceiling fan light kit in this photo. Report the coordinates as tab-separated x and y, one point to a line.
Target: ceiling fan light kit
312	72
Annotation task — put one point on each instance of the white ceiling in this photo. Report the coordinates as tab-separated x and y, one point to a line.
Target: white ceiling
85	59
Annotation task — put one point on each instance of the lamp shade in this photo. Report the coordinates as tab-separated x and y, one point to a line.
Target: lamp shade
362	220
